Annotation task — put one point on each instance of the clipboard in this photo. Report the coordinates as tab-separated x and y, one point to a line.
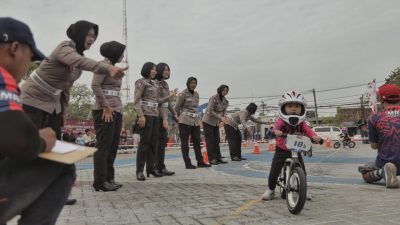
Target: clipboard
74	154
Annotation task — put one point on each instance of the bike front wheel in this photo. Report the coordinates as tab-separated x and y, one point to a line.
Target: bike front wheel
351	144
336	145
296	191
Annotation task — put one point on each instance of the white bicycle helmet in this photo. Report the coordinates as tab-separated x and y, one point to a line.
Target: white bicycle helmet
292	97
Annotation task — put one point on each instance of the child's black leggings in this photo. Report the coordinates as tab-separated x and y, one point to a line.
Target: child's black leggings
277	163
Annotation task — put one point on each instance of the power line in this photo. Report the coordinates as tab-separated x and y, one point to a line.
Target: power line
340	97
304	92
352	86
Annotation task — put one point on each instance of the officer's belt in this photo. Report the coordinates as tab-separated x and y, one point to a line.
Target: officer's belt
112	93
190	114
43	85
149	104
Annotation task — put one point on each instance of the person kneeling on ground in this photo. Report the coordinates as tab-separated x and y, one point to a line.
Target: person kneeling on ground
383	136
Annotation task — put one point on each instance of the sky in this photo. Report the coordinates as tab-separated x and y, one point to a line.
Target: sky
257	47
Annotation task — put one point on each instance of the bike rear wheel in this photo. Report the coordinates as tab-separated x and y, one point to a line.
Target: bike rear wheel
297	191
336	144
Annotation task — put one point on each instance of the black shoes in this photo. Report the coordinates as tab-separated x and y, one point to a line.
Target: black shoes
223	161
70	202
203	164
155	173
106	186
190	166
236	159
166	172
140	176
214	162
118	185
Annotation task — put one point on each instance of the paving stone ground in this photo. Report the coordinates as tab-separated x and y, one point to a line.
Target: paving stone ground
230	194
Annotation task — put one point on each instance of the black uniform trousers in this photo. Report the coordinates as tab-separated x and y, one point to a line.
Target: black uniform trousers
278	161
160	154
186	131
44	119
234	140
211	134
107	135
148	144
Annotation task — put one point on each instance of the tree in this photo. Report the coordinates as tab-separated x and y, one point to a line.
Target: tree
129	115
394	77
33	66
330	120
80	102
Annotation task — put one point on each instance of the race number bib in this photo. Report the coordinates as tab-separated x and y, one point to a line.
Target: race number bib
298	143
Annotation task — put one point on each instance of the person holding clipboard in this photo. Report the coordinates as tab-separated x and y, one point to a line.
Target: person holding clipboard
34	188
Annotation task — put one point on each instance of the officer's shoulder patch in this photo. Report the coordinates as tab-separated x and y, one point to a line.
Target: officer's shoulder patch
138	83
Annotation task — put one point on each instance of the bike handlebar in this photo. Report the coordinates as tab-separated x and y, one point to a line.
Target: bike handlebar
321	141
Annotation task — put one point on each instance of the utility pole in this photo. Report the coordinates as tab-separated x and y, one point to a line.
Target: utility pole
315	105
125	61
263	107
362	108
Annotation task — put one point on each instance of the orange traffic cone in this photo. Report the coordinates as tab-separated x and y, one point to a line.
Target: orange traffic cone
328	143
205	157
271	147
170	142
256	149
244	145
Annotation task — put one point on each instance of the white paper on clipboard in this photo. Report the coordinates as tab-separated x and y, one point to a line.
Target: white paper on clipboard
63	147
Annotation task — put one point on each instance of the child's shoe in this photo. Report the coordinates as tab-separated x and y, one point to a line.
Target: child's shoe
268	195
308	196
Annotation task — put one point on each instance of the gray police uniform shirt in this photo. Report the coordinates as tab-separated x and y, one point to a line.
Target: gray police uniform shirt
164	99
59	71
105	89
241	117
216	110
188	102
146	91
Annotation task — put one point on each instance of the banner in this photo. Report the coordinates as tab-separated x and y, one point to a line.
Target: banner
372	95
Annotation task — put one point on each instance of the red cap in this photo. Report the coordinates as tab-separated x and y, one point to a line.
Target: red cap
389	92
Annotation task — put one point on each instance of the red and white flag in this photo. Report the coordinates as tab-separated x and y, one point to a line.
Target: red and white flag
372	95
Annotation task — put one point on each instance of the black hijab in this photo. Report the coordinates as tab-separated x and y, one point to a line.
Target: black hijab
78	32
252	108
189	80
112	50
221	89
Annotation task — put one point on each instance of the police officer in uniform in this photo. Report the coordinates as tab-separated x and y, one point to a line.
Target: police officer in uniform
146	105
107	115
215	113
233	133
189	123
163	74
45	94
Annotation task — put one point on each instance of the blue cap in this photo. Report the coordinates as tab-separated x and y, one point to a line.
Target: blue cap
14	30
